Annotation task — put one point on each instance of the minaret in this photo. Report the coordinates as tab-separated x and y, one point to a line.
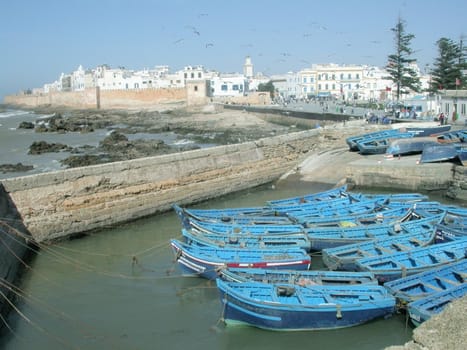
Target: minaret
248	68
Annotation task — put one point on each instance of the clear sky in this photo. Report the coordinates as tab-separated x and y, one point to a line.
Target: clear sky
40	39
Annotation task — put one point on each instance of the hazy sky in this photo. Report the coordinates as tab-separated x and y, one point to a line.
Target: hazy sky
40	39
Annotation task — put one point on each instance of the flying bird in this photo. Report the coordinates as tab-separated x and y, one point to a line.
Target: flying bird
193	29
209	45
178	41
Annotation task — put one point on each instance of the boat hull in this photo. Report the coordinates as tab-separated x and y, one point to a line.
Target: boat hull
192	263
281	317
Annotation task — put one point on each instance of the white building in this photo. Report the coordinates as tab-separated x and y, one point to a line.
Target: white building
223	85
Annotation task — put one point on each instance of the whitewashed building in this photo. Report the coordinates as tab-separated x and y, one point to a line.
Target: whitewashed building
223	85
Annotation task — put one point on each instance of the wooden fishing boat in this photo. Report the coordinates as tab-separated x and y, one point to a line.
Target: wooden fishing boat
205	261
377	217
421	285
456	152
424	308
321	212
379	145
352	141
226	228
393	266
453	226
407	146
344	257
287	307
285	241
323	238
303	278
333	193
452	136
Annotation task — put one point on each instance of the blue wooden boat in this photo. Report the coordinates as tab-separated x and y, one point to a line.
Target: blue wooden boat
427	283
407	146
456	152
423	309
308	278
379	145
352	141
345	257
393	266
447	233
323	211
226	228
452	136
285	241
427	130
206	261
453	226
287	307
372	218
323	238
333	193
214	216
278	215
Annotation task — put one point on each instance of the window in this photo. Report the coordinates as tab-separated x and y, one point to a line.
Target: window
446	108
342	76
235	87
326	87
349	76
463	109
199	74
357	76
304	79
319	86
333	77
186	75
334	86
192	75
196	87
304	89
319	76
224	87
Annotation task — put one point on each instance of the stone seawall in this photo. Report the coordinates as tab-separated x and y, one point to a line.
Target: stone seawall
407	174
62	203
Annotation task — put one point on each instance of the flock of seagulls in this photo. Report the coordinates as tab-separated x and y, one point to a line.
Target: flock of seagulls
316	29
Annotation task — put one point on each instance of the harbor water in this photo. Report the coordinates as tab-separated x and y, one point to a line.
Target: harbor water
120	288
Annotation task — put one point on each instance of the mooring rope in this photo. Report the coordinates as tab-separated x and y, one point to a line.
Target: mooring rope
83	328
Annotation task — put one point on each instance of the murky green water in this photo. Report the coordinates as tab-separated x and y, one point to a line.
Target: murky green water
119	289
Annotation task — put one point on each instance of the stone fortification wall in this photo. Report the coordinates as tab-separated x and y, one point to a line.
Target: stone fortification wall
63	203
73	99
97	98
114	99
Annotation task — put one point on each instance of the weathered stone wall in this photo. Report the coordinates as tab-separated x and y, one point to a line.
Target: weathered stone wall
63	203
81	99
95	98
403	174
114	99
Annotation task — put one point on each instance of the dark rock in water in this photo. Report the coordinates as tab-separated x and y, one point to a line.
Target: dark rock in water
13	168
15	251
85	160
26	125
39	147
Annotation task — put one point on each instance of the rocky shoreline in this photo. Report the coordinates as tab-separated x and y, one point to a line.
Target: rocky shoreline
209	125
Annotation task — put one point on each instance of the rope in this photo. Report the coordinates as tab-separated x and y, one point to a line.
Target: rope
36	325
84	328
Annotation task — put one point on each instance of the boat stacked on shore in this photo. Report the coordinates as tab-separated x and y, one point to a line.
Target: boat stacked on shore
261	257
435	143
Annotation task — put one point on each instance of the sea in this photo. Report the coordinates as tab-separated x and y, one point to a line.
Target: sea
120	288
